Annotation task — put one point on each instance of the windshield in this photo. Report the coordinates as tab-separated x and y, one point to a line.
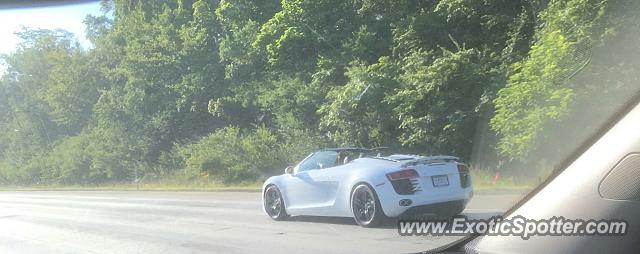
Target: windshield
319	160
179	115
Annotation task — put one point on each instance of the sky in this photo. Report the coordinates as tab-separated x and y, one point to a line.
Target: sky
67	17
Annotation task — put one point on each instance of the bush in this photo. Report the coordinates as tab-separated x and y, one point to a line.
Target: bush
231	156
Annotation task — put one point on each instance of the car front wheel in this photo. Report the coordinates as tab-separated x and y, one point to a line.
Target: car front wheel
273	203
366	207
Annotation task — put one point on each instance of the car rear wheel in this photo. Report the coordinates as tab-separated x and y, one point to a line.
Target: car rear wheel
366	207
273	203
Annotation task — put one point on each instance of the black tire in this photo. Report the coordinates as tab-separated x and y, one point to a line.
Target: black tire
274	204
366	207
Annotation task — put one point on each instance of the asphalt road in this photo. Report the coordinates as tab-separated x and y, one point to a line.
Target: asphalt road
192	222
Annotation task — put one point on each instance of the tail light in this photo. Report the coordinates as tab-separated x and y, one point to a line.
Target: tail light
402	174
463	170
404	181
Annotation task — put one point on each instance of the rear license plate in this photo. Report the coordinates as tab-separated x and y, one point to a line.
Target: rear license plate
440	181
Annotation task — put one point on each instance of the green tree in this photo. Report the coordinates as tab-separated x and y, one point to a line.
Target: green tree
537	90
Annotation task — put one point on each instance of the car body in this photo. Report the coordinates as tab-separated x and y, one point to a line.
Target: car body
323	183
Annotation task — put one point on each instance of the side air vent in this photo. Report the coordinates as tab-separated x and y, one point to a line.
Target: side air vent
623	181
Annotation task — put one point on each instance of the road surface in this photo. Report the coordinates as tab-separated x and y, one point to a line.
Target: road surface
192	222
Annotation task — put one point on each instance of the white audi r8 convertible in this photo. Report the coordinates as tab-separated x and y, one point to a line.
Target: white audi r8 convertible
345	182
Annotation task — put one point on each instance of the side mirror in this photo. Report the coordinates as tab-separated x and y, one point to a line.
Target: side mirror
288	170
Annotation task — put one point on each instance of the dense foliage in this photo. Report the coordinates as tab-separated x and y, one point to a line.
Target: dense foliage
235	90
